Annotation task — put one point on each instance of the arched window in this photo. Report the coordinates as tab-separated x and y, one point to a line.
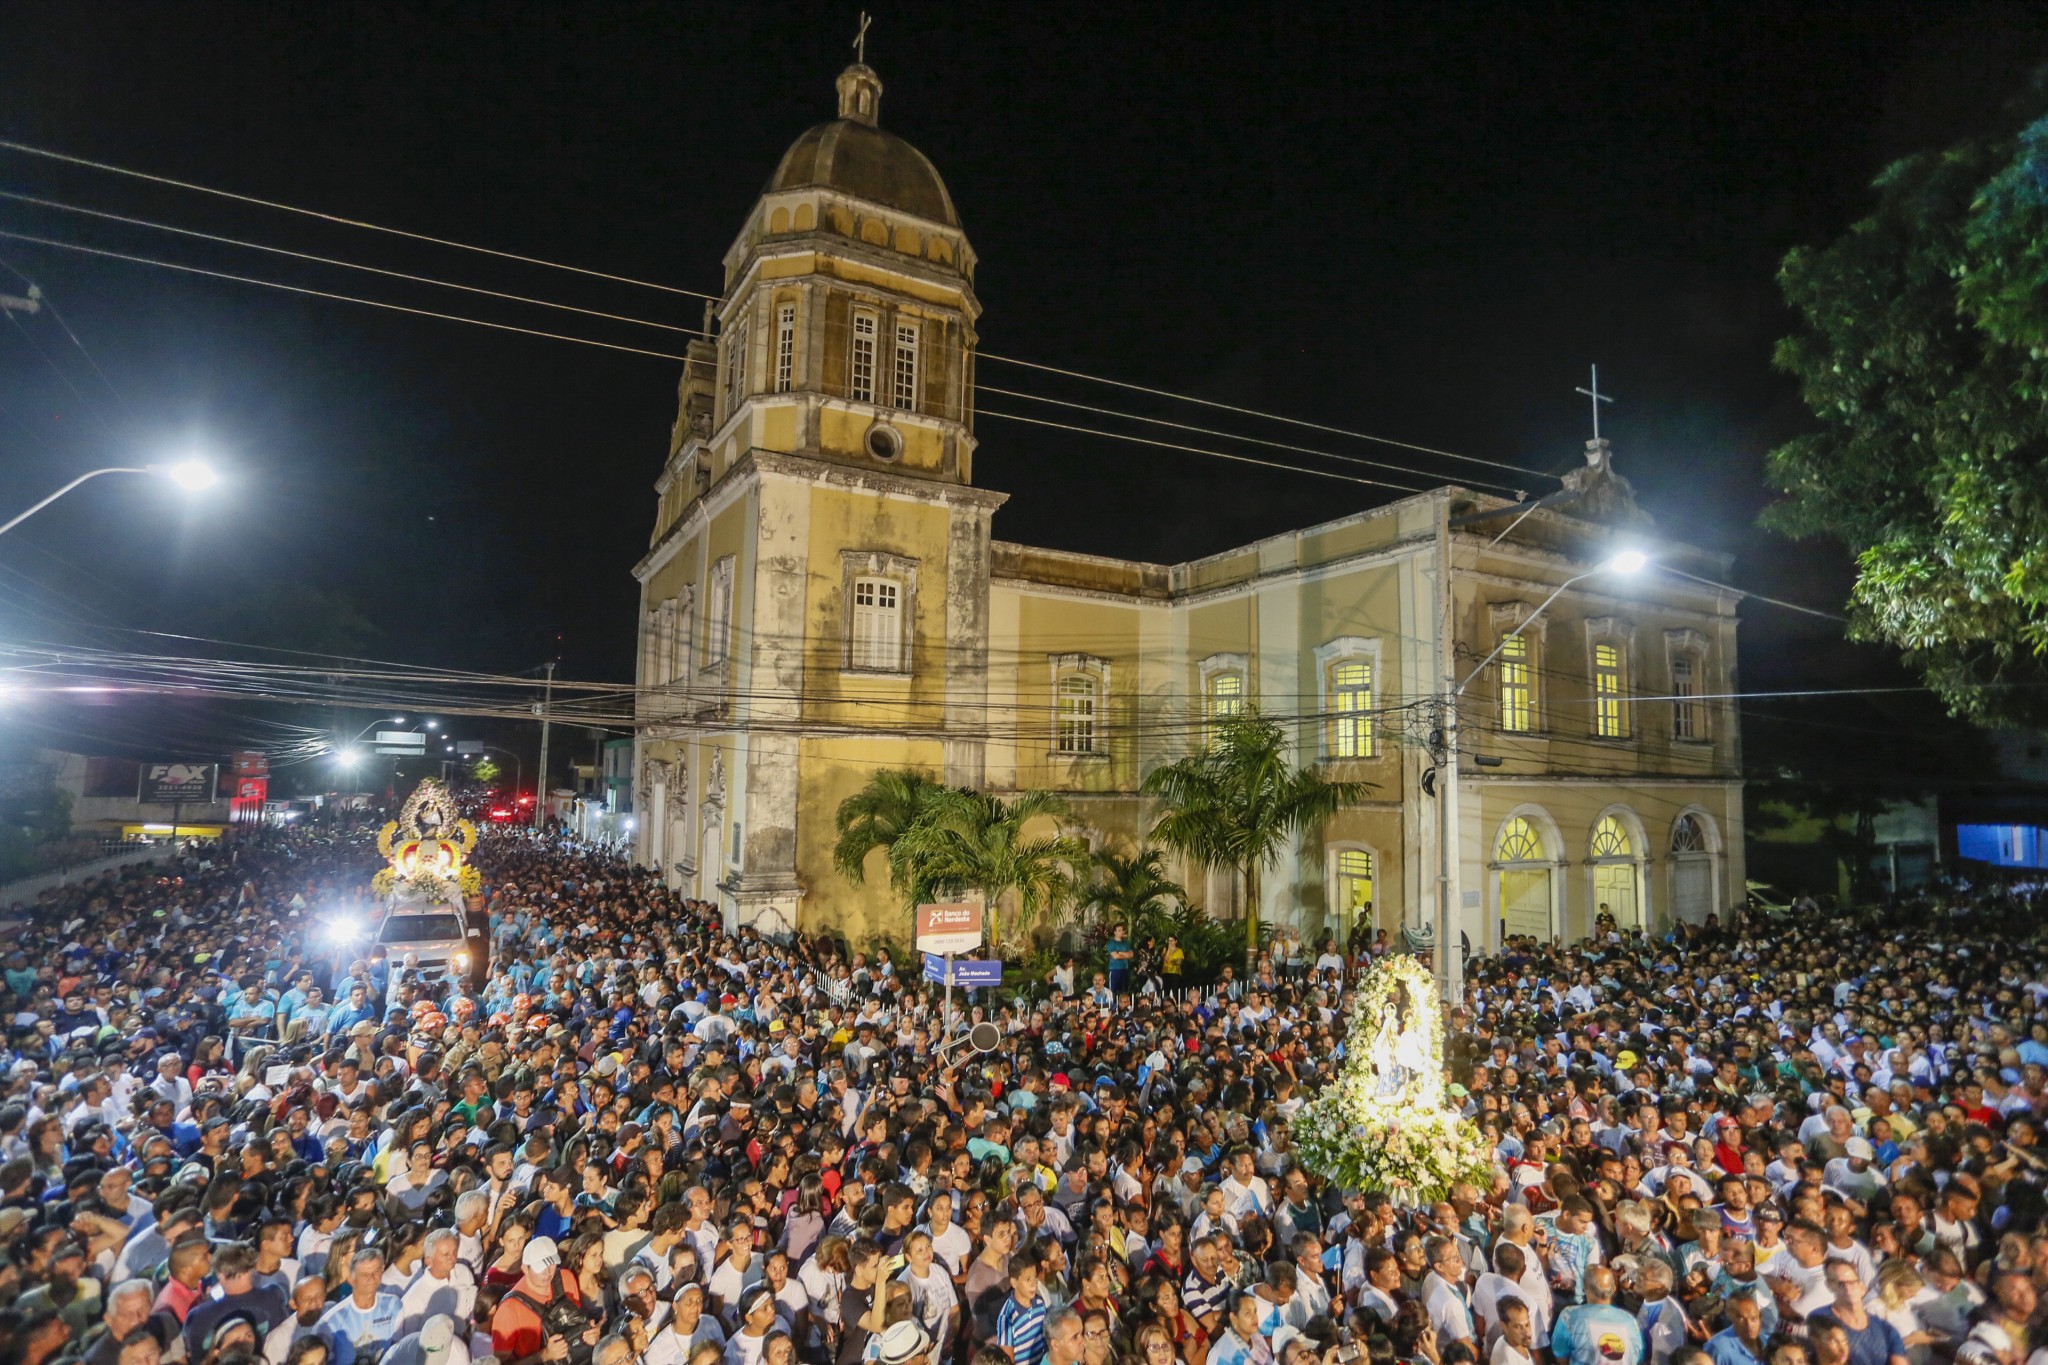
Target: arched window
905	393
1610	839
1688	835
1078	697
1518	843
1351	701
785	347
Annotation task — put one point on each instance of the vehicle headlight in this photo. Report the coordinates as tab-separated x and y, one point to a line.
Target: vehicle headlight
462	961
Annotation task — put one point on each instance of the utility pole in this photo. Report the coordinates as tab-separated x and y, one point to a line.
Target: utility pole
540	795
1449	965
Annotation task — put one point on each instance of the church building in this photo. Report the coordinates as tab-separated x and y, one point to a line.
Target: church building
823	598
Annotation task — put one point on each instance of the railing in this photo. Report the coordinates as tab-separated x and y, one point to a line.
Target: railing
115	853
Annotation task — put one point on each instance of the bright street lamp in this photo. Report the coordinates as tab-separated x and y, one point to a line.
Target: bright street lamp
348	758
191	475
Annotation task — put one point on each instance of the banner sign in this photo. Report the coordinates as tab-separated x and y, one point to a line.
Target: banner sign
969	973
167	784
405	741
951	927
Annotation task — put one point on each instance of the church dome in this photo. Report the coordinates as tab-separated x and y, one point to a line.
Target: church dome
853	155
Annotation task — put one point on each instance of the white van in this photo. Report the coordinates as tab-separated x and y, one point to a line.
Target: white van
434	937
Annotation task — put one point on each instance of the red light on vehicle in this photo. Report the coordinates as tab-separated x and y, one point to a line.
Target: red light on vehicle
525	800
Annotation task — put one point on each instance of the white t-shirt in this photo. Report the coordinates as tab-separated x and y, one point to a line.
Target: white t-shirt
1504	1354
728	1282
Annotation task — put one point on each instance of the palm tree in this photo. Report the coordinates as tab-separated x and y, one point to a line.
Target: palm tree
1235	804
877	816
1133	890
966	841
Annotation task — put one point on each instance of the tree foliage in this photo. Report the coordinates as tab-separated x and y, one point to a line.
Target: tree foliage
1921	355
1236	804
946	841
1134	891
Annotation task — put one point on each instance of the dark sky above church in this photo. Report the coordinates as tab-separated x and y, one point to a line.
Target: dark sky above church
1419	221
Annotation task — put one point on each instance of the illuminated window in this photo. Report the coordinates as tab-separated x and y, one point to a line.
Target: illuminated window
1354	885
1225	699
905	395
736	368
1517	685
1686	721
1519	843
1688	835
877	624
1078	694
1610	839
1610	717
1351	700
785	347
860	380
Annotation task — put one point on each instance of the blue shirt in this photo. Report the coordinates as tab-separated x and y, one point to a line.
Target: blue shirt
1725	1348
1596	1334
1875	1344
1021	1328
361	1330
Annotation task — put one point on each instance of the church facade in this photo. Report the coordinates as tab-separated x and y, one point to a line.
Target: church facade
823	598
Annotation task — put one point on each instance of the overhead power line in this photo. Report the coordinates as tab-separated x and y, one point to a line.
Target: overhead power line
1198	450
65	158
335	261
1254	412
328	294
111	169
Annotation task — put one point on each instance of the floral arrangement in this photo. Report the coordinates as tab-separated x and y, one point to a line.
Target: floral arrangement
1382	1125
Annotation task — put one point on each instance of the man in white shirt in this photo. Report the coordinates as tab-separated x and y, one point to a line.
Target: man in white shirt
1443	1292
1244	1190
443	1284
1516	1342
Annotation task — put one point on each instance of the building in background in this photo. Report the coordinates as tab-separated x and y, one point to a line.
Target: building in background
823	598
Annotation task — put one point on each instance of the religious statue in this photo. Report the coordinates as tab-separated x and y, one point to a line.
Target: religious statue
1400	1049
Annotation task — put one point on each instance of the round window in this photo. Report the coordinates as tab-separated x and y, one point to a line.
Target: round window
884	441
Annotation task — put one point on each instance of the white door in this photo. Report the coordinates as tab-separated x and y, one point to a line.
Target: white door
1693	888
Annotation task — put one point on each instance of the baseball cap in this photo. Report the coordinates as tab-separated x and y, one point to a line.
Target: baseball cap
541	1254
1860	1149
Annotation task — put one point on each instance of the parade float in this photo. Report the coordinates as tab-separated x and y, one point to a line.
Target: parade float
427	849
1383	1125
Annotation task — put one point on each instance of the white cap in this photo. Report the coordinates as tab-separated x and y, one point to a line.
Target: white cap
541	1254
1859	1149
436	1333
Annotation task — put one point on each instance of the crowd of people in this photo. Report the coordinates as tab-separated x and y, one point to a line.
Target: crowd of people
642	1138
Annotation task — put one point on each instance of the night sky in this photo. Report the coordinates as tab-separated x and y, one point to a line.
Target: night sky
1417	221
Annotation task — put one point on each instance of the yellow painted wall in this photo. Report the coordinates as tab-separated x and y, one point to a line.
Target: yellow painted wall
850	519
1047	626
834	769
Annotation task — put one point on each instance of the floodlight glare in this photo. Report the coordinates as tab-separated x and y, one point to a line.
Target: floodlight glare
188	474
1628	561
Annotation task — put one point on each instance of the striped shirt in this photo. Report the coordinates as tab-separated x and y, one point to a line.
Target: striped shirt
362	1331
1202	1297
1021	1328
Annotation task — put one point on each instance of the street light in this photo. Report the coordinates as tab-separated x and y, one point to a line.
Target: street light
381	720
1450	970
191	475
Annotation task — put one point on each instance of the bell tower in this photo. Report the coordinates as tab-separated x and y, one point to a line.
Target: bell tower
846	329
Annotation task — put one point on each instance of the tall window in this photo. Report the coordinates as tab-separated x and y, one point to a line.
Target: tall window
785	347
1685	707
1078	694
1610	719
718	613
860	380
877	624
1225	699
1517	685
736	368
1351	699
906	366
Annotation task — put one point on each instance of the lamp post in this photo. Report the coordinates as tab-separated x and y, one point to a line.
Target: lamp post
1450	969
191	475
